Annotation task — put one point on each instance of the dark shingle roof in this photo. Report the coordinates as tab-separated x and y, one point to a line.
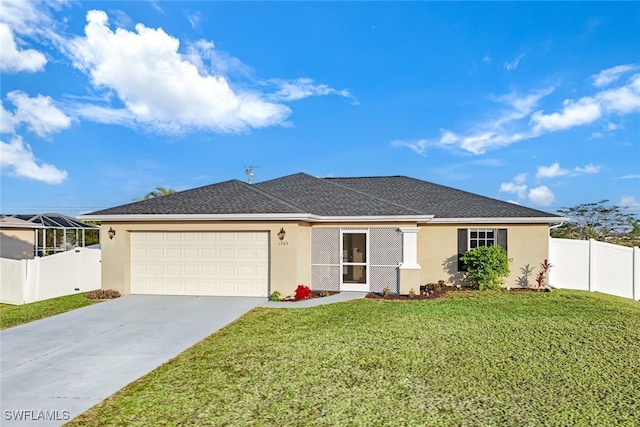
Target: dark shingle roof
229	197
304	194
321	197
438	200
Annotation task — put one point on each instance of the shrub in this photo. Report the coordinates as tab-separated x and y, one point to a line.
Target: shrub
386	291
302	292
275	296
487	267
103	294
412	293
542	274
433	286
324	293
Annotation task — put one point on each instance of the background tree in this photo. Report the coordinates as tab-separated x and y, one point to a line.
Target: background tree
600	222
157	192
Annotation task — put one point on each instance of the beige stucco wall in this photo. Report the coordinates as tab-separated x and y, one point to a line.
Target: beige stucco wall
290	258
17	243
527	245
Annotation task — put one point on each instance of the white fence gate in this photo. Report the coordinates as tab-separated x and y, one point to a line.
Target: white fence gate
590	265
71	272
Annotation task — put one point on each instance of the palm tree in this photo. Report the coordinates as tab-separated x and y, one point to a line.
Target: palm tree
158	192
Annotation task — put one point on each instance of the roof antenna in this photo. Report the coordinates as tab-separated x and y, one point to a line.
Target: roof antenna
249	171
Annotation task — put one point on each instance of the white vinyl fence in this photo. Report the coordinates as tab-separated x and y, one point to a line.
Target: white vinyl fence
590	265
71	272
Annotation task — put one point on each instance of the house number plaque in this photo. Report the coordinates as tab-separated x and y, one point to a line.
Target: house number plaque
281	235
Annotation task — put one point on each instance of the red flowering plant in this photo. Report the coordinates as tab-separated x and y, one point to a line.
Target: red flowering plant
302	292
542	276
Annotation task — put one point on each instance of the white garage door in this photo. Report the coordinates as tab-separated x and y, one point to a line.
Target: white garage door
200	263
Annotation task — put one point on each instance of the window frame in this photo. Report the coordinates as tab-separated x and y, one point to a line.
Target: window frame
485	240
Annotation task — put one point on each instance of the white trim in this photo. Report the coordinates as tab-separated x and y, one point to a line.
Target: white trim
359	287
254	217
499	220
409	248
318	218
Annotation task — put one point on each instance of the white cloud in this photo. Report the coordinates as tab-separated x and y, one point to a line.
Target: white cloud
12	59
194	19
629	201
520	178
16	158
489	133
39	113
517	186
7	123
630	177
541	195
161	89
301	88
622	100
22	16
610	75
486	59
588	169
552	171
510	187
574	113
510	125
512	65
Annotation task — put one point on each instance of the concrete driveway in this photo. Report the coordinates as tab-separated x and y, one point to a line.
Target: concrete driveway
56	368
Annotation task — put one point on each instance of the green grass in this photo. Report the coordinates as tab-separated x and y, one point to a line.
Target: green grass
14	315
491	359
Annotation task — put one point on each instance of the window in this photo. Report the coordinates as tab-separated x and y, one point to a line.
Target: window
472	238
482	237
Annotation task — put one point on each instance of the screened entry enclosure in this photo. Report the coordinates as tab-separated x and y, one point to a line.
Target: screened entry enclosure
362	259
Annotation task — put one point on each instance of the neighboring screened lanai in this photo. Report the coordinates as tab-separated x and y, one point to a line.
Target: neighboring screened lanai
60	233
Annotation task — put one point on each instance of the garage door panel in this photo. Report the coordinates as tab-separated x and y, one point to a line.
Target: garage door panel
200	263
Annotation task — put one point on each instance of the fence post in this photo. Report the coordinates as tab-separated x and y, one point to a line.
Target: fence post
636	273
591	266
25	281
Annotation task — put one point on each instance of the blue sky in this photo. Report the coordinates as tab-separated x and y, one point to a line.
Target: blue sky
534	103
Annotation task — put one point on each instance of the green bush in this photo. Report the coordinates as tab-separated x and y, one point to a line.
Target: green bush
487	267
275	296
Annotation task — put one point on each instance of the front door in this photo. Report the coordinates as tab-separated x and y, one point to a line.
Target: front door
355	261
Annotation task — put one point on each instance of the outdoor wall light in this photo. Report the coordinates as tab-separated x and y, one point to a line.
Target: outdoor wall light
281	233
112	233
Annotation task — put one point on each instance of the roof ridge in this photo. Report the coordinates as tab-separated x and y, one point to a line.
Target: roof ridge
373	197
271	196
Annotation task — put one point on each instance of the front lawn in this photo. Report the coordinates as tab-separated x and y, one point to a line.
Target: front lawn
14	315
490	359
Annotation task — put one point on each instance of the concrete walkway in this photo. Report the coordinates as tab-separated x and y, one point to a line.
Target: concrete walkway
56	368
342	296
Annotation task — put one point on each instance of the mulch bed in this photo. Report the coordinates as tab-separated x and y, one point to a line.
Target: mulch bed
314	294
440	293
